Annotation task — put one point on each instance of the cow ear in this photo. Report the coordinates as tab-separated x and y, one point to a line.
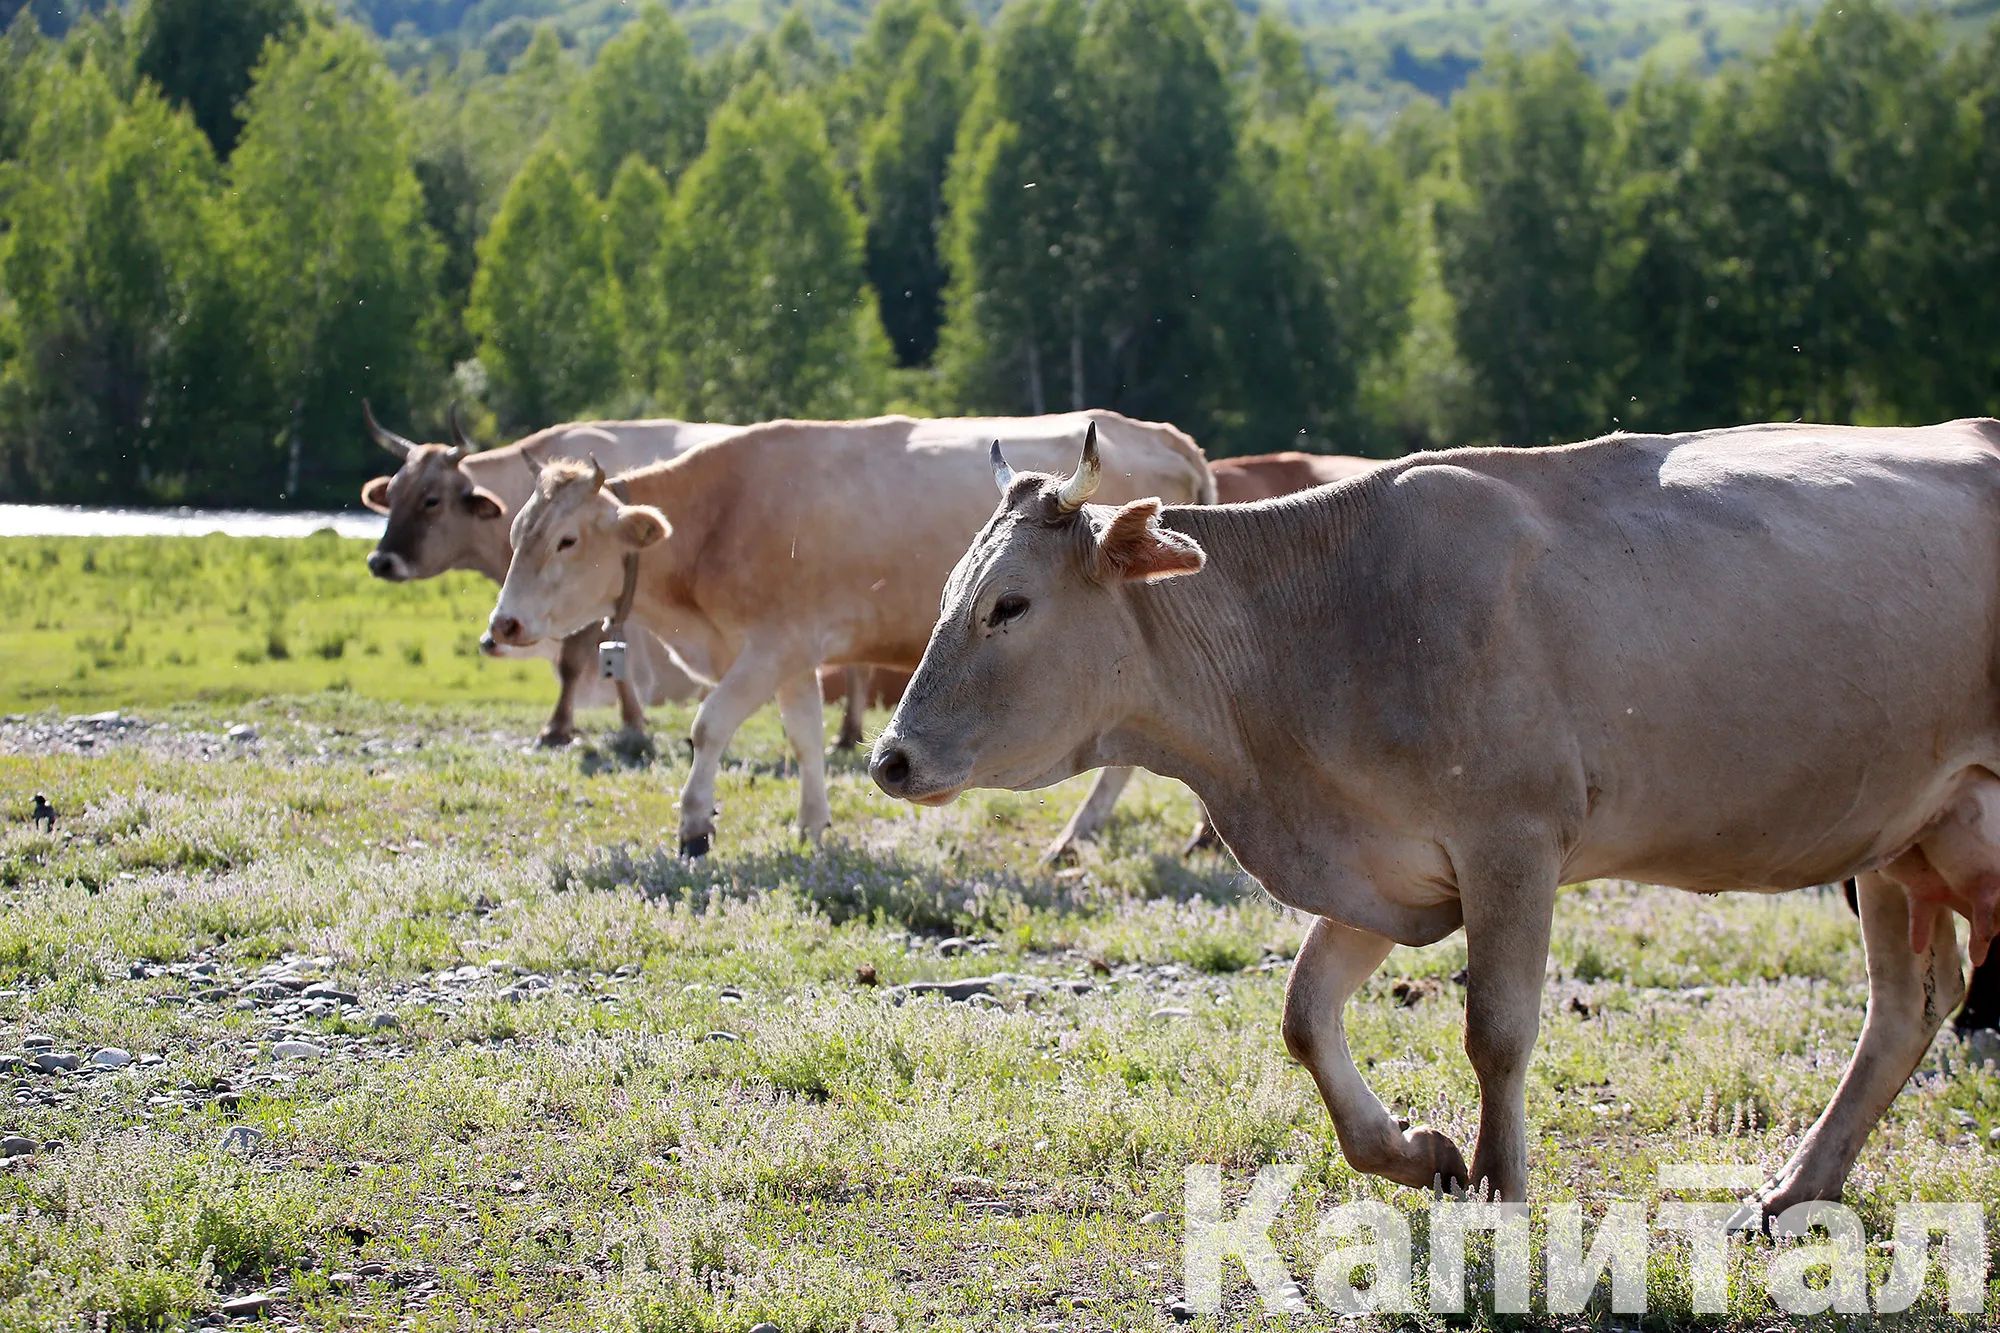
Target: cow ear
1133	546
482	503
639	526
376	495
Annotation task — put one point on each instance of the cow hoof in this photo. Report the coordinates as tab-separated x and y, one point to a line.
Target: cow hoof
554	738
697	846
848	740
1059	855
1790	1188
633	745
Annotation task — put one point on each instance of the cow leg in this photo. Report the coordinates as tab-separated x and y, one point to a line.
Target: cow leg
800	706
579	654
1909	994
1509	902
1332	964
1090	817
857	706
746	685
1982	1000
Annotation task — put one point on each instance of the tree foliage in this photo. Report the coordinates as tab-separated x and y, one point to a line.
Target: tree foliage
541	305
767	308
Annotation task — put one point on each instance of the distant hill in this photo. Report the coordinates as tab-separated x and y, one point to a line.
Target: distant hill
1380	53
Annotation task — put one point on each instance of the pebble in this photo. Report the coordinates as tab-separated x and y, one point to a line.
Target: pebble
954	946
37	1041
50	1062
729	995
298	1050
720	1035
1153	1218
384	1021
248	1307
320	990
242	1138
765	1328
242	731
112	1057
16	1146
1171	1011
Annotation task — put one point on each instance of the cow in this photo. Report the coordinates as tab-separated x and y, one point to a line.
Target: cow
1268	476
448	507
859	689
1757	658
795	544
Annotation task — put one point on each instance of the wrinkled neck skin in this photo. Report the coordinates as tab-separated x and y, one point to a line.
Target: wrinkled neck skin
1272	793
664	600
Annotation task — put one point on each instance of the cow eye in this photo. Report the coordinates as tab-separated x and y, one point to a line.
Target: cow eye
430	502
565	543
1007	608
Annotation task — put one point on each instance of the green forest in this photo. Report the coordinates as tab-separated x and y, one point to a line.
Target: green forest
222	227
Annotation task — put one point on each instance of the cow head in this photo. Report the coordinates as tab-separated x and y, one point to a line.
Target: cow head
570	543
1021	674
438	517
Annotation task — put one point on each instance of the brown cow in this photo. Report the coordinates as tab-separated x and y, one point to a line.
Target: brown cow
795	544
448	507
1750	659
1268	476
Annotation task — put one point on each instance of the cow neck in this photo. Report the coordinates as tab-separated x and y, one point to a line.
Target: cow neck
1201	635
621	611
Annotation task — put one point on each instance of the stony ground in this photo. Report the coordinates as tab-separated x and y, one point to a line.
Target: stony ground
350	1015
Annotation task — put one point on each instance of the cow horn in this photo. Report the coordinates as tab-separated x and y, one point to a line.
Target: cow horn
383	436
464	442
1080	485
1003	476
596	474
528	462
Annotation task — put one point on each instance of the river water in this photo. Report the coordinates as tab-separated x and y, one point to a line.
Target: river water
79	521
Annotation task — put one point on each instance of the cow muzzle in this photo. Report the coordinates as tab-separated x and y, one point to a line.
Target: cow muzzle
507	630
901	772
385	565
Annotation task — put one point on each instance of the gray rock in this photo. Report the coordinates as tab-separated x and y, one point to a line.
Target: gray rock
252	1306
384	1021
321	990
962	989
720	1035
50	1062
242	731
112	1057
16	1146
37	1041
954	946
1171	1011
1153	1218
298	1050
242	1139
765	1328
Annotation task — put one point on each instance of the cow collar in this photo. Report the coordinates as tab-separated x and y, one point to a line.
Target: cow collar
614	624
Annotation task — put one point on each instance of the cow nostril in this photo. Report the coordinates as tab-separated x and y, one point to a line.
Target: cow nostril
892	770
378	564
506	628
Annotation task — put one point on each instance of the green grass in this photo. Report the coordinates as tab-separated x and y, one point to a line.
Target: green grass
146	622
587	1154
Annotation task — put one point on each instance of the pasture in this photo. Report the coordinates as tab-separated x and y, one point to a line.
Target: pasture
431	1032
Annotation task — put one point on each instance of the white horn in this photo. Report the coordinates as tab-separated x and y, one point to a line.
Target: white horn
1003	476
383	436
596	474
1081	484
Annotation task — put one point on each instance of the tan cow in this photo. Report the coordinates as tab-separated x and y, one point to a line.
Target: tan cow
448	508
1748	659
796	544
1268	476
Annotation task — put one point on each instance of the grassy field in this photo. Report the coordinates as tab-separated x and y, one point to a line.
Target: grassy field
429	1031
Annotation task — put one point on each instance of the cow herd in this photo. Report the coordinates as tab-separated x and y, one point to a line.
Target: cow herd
1412	697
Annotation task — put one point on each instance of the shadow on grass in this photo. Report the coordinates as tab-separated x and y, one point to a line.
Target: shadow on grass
846	882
